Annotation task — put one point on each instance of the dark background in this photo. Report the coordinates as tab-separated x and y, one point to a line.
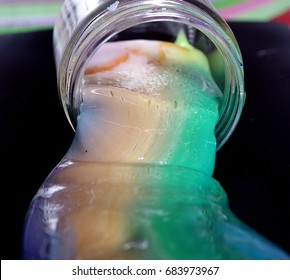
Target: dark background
253	166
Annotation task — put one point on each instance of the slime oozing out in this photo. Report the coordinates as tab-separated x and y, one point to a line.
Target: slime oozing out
136	182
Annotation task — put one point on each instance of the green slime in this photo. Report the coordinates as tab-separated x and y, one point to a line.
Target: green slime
181	212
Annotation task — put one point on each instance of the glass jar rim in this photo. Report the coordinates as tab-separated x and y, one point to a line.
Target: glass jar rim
102	24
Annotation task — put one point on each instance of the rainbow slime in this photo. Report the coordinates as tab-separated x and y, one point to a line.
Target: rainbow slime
136	182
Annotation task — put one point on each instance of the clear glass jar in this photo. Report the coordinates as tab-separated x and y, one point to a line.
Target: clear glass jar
84	25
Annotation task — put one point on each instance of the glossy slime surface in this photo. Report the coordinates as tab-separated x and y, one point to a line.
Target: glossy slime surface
136	182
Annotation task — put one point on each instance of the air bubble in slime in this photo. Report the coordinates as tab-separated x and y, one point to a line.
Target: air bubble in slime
137	182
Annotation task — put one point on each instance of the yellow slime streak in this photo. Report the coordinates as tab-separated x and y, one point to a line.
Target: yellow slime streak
97	203
134	130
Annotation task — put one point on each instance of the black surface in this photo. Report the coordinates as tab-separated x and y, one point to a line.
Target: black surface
253	166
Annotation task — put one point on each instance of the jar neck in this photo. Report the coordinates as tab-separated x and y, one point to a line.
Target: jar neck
103	23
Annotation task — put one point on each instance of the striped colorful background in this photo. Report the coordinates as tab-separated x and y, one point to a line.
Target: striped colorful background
28	15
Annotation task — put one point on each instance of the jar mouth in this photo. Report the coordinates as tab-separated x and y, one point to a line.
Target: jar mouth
103	25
